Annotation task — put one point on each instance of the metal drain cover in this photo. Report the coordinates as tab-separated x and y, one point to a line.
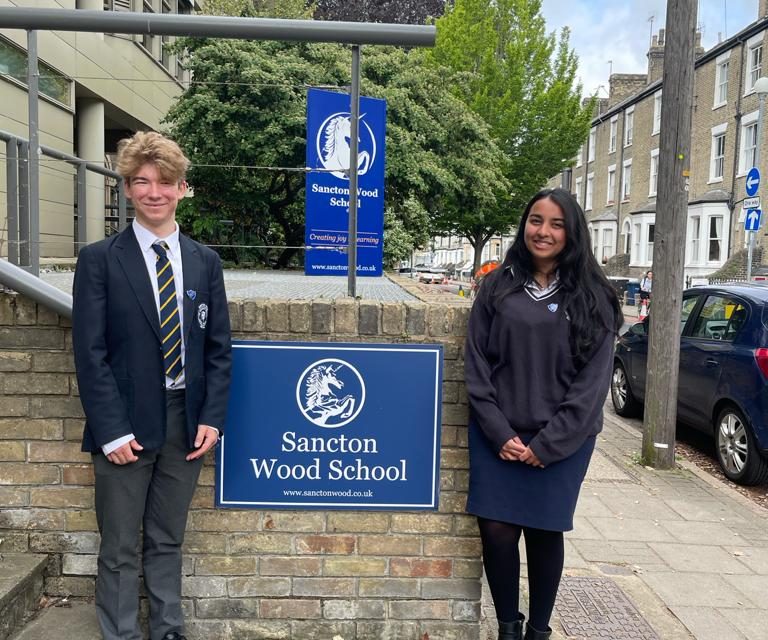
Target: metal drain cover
597	608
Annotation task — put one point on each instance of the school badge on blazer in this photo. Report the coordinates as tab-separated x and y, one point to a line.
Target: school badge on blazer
202	315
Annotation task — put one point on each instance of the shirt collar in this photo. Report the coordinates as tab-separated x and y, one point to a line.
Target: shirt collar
534	286
146	238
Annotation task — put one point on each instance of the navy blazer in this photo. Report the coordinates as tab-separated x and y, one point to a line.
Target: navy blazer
117	344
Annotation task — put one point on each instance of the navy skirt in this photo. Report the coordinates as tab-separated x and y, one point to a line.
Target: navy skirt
522	494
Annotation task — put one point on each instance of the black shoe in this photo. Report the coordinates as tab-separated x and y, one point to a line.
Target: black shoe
174	635
511	630
533	634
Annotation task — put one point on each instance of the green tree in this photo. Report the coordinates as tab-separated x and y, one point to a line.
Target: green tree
393	11
522	81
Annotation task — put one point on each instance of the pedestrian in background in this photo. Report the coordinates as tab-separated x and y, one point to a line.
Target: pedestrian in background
151	337
538	363
646	285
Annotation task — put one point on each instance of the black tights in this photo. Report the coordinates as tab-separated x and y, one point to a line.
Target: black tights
501	558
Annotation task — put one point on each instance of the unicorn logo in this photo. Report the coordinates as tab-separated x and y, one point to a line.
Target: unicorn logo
320	393
333	139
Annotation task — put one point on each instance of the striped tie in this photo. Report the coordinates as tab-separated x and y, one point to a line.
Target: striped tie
170	328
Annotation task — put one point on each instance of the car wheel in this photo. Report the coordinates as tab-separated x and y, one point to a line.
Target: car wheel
624	402
737	451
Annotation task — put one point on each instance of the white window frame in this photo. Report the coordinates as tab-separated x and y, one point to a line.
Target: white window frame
578	182
653	178
753	71
590	192
629	126
648	243
719	239
611	194
626	181
722	68
747	121
606	246
656	113
694	240
627	233
591	144
614	134
580	156
642	251
718	132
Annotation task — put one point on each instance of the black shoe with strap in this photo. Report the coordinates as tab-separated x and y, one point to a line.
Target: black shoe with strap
535	634
511	630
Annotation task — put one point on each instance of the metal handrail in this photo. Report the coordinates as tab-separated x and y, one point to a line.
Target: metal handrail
33	287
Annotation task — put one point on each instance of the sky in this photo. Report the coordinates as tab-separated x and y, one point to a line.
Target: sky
606	30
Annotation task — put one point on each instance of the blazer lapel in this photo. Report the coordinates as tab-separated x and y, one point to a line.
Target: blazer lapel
190	264
129	256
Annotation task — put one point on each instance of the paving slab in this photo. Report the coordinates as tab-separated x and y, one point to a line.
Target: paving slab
707	623
753	623
696	590
698	558
754	587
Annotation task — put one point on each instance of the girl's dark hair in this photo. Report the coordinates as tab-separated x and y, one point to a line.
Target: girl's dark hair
587	294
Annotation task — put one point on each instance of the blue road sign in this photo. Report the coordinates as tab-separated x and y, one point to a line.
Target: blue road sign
753	181
332	426
327	189
752	220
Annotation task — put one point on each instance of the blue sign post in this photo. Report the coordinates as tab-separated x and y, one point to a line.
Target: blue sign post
327	190
753	181
332	426
752	220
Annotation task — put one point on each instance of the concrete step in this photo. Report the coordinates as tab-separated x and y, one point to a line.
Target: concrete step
21	584
76	620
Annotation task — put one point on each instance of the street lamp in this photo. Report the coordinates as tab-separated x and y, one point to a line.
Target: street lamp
761	89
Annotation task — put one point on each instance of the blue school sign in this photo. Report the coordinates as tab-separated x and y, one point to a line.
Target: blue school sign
327	190
332	426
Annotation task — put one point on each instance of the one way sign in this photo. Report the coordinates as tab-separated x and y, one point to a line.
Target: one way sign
752	220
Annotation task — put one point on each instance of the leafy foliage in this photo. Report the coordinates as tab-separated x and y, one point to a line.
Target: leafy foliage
521	81
393	11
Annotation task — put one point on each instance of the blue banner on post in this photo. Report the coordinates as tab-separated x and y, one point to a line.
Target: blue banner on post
327	190
332	426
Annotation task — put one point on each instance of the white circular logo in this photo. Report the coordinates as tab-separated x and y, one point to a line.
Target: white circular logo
330	393
333	140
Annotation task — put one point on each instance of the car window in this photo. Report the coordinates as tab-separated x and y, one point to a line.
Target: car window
688	306
720	318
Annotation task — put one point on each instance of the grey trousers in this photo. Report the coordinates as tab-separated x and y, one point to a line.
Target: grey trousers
154	492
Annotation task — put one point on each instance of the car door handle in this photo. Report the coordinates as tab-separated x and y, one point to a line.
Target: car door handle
711	362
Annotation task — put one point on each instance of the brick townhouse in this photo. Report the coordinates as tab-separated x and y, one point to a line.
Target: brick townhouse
615	174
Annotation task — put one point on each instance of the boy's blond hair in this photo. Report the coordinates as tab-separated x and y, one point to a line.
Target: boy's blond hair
150	147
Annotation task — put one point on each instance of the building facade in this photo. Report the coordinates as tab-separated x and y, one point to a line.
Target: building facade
94	90
615	174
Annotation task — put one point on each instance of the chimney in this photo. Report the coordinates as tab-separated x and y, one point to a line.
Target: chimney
623	85
656	56
763	10
698	49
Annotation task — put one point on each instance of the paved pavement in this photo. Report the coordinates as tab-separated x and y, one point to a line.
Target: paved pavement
281	285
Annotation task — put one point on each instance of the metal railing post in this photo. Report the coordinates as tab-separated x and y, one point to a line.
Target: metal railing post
12	190
122	205
82	225
33	77
24	204
354	144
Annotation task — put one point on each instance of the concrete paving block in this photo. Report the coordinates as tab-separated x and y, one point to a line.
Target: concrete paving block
583	530
641	506
754	587
755	558
590	504
704	510
696	590
573	559
629	529
753	623
707	624
699	558
626	553
703	532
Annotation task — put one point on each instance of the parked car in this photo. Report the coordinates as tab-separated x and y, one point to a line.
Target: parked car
723	384
434	276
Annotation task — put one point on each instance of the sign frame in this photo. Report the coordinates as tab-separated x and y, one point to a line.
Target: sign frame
752	227
752	181
406	448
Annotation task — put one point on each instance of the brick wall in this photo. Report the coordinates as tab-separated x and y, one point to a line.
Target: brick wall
256	574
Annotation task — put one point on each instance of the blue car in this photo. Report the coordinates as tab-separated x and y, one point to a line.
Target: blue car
723	385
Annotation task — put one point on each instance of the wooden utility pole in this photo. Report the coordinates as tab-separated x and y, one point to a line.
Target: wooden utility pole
669	241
